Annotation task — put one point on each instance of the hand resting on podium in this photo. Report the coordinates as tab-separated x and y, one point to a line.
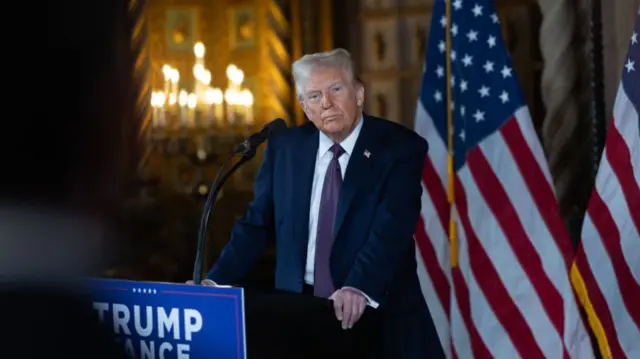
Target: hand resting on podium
209	283
348	303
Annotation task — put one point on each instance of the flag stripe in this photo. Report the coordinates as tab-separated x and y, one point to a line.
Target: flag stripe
532	174
459	341
439	310
597	299
437	276
515	135
492	286
438	151
614	291
436	192
619	158
514	233
605	225
464	309
485	323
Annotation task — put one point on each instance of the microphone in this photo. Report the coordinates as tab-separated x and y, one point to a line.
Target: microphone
248	151
250	144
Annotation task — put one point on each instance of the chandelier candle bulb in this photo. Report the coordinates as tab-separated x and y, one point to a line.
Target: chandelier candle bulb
199	50
198	74
183	99
162	121
235	76
157	103
167	71
246	101
175	78
192	101
231	99
154	106
205	81
213	102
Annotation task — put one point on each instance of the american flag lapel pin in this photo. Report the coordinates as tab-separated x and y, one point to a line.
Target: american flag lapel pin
367	154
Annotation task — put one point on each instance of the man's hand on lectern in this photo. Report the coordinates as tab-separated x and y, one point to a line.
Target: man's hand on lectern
349	305
205	282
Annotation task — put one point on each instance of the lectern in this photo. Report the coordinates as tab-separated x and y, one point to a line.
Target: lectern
177	321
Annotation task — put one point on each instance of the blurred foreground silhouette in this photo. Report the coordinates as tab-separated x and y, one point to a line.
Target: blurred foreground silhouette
62	177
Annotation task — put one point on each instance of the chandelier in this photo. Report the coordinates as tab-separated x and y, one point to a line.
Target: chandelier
194	127
202	106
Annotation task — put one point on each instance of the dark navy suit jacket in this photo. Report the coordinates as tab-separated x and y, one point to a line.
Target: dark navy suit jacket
373	248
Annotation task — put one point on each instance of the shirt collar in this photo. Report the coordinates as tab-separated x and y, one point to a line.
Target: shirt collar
347	144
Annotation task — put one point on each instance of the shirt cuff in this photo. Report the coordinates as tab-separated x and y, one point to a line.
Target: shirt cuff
370	302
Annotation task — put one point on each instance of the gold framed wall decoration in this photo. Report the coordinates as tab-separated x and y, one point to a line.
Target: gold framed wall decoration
181	28
242	27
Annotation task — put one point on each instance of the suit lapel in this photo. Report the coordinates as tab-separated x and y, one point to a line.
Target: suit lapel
358	170
304	161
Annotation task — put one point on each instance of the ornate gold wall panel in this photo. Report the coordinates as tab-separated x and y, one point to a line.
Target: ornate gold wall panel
277	62
140	51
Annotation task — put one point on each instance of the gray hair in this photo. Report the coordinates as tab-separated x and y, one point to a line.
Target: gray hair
336	58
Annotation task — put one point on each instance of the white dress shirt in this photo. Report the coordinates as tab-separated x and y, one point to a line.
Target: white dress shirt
323	159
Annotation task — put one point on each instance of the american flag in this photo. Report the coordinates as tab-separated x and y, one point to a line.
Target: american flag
608	258
510	295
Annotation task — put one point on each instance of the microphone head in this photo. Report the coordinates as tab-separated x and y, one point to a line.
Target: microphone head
274	127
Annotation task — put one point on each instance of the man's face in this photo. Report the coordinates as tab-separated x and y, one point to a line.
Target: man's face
332	102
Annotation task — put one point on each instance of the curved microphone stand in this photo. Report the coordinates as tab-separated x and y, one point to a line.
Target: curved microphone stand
216	186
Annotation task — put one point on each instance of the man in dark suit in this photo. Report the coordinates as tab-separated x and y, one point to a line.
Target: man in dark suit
341	195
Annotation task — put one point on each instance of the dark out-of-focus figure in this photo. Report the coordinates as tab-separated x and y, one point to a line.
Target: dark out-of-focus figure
63	167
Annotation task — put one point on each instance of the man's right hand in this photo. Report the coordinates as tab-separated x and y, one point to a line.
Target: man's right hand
205	282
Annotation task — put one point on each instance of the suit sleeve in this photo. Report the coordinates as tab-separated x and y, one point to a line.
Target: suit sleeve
251	232
391	234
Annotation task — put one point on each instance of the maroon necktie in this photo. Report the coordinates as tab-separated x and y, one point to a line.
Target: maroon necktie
323	283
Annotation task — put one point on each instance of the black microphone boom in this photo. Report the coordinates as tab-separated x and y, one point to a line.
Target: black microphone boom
255	140
248	151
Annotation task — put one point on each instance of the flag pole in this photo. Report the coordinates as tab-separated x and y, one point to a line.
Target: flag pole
453	238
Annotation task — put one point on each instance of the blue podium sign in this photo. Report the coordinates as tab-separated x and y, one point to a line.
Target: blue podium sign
172	321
